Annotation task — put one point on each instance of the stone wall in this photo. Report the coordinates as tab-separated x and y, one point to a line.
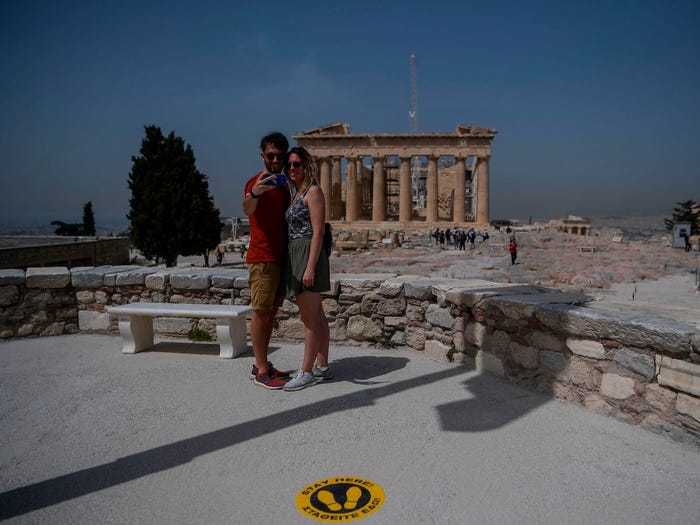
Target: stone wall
639	364
65	251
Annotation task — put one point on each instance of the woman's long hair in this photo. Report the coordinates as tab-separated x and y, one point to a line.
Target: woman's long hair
310	168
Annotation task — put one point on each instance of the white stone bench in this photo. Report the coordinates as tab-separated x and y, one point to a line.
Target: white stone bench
136	324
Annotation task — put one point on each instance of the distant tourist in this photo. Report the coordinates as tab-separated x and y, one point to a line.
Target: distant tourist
308	269
462	240
219	255
688	246
484	236
513	249
265	205
471	235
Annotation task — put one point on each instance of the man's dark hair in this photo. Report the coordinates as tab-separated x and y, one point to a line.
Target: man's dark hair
275	138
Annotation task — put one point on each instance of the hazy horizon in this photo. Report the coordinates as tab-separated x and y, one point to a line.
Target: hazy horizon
653	222
595	103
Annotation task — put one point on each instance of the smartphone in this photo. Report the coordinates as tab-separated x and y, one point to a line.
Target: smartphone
279	179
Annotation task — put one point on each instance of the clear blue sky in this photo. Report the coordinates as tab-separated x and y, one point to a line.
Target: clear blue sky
596	103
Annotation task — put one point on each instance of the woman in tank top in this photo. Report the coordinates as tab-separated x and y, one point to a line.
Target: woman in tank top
307	269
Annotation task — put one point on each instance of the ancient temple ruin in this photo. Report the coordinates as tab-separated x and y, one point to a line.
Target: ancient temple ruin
413	177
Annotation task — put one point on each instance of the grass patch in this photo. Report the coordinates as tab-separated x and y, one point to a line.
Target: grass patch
199	336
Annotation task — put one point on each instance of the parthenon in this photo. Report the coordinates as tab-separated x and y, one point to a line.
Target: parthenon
401	185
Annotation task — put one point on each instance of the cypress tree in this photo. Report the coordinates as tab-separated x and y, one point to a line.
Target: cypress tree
88	219
171	210
687	211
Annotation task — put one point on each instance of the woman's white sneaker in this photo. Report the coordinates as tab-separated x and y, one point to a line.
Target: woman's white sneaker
301	380
321	374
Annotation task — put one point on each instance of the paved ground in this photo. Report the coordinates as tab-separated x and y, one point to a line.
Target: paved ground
88	435
676	290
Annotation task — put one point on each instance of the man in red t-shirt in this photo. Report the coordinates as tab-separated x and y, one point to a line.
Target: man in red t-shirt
265	206
513	249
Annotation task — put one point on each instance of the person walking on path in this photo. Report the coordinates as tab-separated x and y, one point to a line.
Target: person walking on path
307	268
513	249
265	205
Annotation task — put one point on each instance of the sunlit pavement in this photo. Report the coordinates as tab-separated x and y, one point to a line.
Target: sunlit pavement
177	435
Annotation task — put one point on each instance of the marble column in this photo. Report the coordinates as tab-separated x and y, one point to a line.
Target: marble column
405	201
326	183
336	190
379	191
475	185
460	190
431	208
361	183
351	191
482	210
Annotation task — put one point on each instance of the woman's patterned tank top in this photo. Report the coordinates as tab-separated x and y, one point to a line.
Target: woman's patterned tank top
299	218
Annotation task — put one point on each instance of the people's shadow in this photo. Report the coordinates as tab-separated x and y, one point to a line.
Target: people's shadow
493	404
361	369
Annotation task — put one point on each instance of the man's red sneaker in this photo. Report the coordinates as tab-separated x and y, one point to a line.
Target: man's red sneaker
282	374
269	382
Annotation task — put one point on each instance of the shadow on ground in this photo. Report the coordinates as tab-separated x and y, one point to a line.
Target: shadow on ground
184	347
493	405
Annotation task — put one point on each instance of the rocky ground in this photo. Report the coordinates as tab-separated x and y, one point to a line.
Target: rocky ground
595	265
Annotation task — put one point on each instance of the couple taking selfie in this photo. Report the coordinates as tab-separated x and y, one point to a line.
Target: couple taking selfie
286	258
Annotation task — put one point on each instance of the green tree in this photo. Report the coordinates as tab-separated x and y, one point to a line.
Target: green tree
171	210
88	219
87	227
688	211
67	229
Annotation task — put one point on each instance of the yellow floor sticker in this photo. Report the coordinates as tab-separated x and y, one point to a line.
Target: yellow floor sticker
340	499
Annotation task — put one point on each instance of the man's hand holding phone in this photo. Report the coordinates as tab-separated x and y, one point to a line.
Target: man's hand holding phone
275	179
268	181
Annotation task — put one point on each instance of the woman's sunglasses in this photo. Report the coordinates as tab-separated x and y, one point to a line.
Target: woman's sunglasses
294	164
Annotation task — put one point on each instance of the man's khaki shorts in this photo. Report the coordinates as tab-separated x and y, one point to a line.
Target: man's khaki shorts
265	280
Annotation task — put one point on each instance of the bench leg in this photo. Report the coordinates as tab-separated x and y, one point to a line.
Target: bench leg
137	332
231	334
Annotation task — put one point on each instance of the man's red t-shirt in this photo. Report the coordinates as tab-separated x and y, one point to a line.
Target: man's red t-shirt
268	227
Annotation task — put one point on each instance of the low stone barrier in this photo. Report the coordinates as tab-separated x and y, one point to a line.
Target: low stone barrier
638	363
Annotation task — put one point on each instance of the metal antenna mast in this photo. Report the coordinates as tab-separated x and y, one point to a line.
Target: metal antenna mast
414	96
413	114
